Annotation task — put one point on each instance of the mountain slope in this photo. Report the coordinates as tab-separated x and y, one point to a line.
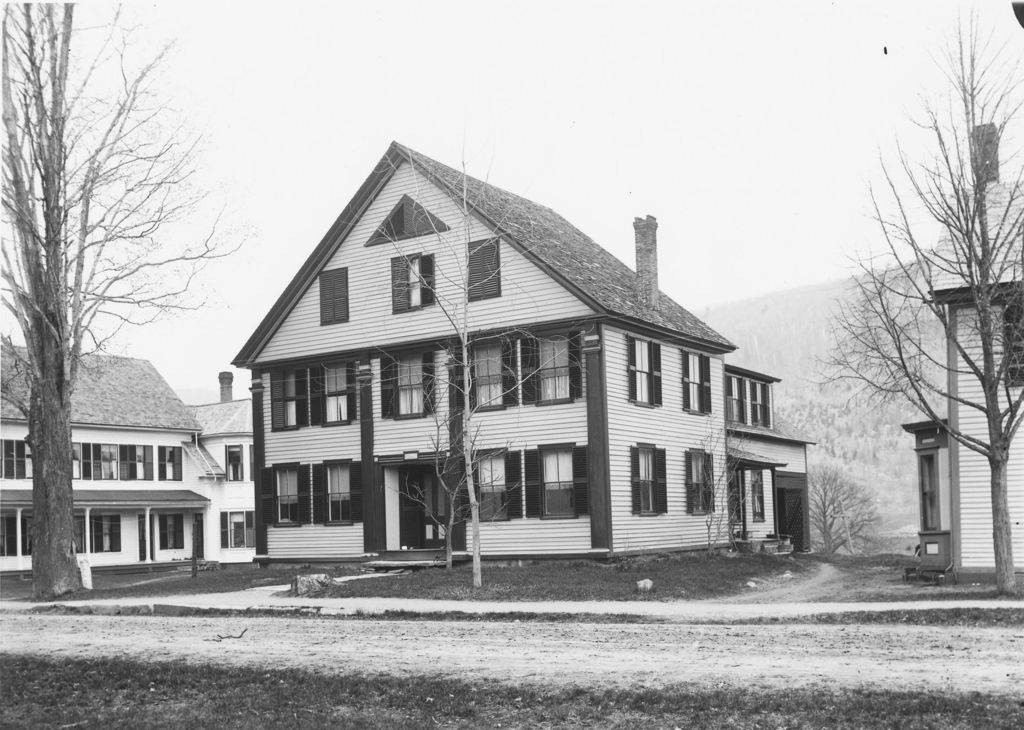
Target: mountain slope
787	334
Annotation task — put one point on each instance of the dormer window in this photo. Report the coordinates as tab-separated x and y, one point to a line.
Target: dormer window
760	404
735	400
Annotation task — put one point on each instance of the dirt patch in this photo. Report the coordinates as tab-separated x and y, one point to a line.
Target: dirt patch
925	658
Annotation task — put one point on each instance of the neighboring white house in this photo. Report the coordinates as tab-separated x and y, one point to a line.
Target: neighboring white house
599	420
145	476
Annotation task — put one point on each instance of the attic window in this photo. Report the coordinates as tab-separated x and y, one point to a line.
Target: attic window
408	219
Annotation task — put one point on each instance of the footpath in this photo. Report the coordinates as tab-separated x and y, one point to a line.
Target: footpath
276	599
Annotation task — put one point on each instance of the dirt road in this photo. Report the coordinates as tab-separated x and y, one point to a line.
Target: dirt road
907	657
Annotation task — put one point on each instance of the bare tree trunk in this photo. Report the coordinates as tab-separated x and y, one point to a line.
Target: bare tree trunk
1002	542
54	565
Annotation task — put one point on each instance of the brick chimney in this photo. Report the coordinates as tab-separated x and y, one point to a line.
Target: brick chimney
985	152
646	230
226	379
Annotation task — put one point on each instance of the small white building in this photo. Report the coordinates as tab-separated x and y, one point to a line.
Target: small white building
152	477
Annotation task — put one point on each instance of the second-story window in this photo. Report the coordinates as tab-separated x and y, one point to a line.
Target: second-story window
17	460
289	399
338	394
169	463
487	375
554	369
696	382
644	369
760	409
735	400
407	385
234	470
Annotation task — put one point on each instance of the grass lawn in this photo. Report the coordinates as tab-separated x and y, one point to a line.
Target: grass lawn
690	576
113	693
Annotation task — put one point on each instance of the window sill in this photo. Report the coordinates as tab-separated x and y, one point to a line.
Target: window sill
284	428
287	524
338	523
644	404
489	409
413	309
408	416
331	424
559	517
758	519
555	402
332	321
695	413
648	514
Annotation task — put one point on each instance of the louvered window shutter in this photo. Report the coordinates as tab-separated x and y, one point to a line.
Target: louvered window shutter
123	463
686	379
276	402
513	485
691	497
575	365
631	366
147	462
456	389
355	490
660	482
709	482
529	350
388	385
469	387
509	374
427	276
742	395
319	494
634	478
162	530
705	384
766	394
532	487
176	454
301	397
399	285
268	494
352	383
224	530
484	270
580	491
316	395
655	373
333	296
304	494
428	382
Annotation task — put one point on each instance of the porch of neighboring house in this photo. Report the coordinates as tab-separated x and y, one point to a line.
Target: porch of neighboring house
112	527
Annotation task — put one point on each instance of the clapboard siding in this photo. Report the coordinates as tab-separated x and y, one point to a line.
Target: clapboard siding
526	290
315	541
792	455
668	427
535	537
975	504
309	443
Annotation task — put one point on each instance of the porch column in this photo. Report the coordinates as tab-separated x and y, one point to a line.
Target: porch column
17	536
87	533
149	558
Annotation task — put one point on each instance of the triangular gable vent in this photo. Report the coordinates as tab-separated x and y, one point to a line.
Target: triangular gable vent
408	219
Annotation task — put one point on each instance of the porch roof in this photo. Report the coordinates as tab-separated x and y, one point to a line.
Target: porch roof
115	498
750	458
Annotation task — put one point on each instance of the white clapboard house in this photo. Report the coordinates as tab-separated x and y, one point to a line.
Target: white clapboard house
147	471
599	415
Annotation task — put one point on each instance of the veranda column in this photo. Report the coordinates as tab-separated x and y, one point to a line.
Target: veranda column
17	536
149	558
87	536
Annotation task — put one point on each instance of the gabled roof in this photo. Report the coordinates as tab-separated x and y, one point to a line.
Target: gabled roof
559	248
225	418
111	391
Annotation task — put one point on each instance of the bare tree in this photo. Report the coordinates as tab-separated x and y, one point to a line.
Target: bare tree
92	176
966	288
843	515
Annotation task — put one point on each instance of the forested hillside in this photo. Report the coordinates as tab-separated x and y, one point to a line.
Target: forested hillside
786	334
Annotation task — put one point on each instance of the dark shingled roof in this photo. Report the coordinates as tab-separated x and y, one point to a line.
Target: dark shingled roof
113	391
566	250
562	250
83	497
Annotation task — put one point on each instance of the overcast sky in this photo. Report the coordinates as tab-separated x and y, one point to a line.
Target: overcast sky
750	130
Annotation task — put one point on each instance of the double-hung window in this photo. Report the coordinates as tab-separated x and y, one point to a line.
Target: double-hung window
648	480
1013	339
700	487
289	384
645	479
412	282
108	461
558	484
336	394
339	493
757	495
169	463
287	494
17	459
735	402
233	458
644	371
554	369
237	529
172	531
410	386
696	382
487	375
760	411
491	481
289	399
105	533
135	462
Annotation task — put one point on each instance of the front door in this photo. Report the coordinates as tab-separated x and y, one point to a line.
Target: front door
422	508
198	537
